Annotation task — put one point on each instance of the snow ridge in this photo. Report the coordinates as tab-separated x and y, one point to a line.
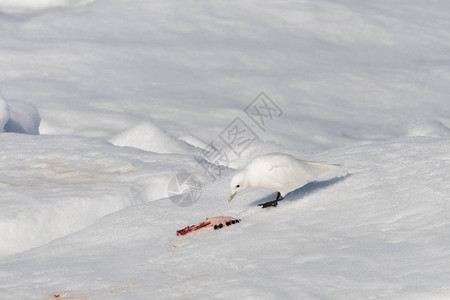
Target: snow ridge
18	116
18	7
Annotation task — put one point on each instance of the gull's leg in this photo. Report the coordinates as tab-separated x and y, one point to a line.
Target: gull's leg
279	197
273	203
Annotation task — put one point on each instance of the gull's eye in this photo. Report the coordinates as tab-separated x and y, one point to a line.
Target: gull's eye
238	185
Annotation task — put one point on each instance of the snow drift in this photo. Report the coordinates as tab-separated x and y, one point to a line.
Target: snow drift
66	184
149	137
31	6
429	128
19	116
85	219
379	232
4	113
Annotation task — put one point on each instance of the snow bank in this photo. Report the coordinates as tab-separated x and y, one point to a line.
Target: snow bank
381	232
52	186
18	116
344	74
23	118
149	137
33	217
27	6
341	72
4	113
429	128
194	141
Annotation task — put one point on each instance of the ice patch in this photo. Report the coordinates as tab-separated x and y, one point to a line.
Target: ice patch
149	137
429	128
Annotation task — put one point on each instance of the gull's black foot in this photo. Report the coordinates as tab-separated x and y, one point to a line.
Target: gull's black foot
273	203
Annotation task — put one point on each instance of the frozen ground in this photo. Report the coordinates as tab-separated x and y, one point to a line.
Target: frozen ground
125	96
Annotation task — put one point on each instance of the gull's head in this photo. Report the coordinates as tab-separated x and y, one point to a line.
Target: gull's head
238	183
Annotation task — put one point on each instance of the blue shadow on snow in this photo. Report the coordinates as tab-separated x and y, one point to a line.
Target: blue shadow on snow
300	193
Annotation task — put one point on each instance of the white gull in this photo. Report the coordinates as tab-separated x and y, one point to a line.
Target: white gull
278	172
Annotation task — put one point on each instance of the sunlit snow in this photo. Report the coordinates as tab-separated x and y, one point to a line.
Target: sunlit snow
106	106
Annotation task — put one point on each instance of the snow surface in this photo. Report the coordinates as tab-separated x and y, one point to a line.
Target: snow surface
149	137
20	7
18	116
127	95
4	113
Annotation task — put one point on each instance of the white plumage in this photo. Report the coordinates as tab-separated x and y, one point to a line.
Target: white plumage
278	172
